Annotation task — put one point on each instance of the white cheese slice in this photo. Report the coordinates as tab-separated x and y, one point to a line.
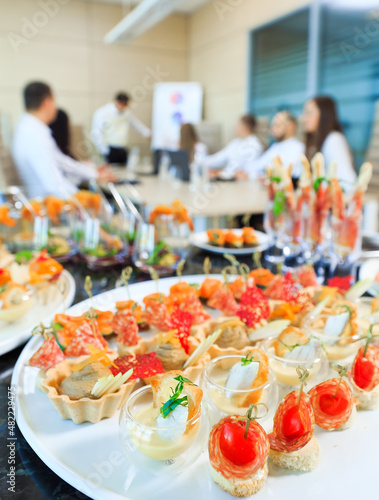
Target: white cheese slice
306	352
242	377
177	419
335	325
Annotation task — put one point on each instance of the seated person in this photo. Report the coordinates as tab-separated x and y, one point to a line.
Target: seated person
43	168
323	132
283	130
239	153
60	130
189	141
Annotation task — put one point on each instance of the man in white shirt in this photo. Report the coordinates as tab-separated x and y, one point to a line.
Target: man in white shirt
239	153
287	146
43	168
110	129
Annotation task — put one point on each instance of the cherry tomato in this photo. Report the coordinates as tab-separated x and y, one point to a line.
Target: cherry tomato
234	446
331	404
363	373
293	428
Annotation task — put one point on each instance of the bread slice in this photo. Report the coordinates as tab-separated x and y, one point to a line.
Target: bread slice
349	422
305	460
368	400
241	487
161	388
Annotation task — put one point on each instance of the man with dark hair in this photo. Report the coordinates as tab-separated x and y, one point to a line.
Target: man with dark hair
286	145
239	153
110	129
34	95
43	168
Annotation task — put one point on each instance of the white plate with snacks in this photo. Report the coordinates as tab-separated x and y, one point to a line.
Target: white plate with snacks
90	457
44	307
201	240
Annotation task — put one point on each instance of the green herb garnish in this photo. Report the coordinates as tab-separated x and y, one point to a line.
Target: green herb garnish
275	179
23	256
279	203
175	400
348	309
291	347
317	183
56	327
247	360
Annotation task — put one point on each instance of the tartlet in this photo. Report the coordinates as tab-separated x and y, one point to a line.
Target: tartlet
85	409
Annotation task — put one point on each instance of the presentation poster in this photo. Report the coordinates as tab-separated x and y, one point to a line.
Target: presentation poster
173	105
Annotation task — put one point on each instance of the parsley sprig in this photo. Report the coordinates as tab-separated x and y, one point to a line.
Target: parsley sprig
175	400
247	360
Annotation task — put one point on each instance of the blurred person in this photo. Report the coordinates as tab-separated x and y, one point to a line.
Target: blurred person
60	129
189	141
323	132
287	146
239	153
110	129
43	168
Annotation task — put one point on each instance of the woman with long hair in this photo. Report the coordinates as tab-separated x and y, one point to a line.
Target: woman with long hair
323	132
189	141
60	129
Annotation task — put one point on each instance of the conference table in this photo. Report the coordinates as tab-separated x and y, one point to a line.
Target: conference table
216	199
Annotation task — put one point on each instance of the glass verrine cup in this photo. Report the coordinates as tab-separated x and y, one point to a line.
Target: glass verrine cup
21	226
160	450
223	402
161	246
286	369
338	349
347	237
274	225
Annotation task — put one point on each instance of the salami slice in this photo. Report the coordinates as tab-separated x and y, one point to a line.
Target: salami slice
365	369
256	446
124	324
84	335
224	301
144	365
194	307
156	314
293	424
48	355
181	320
331	409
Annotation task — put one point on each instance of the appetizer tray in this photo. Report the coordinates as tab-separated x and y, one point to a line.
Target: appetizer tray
90	457
16	333
201	240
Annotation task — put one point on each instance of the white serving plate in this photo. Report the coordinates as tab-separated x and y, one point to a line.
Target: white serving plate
201	240
16	333
369	269
90	457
